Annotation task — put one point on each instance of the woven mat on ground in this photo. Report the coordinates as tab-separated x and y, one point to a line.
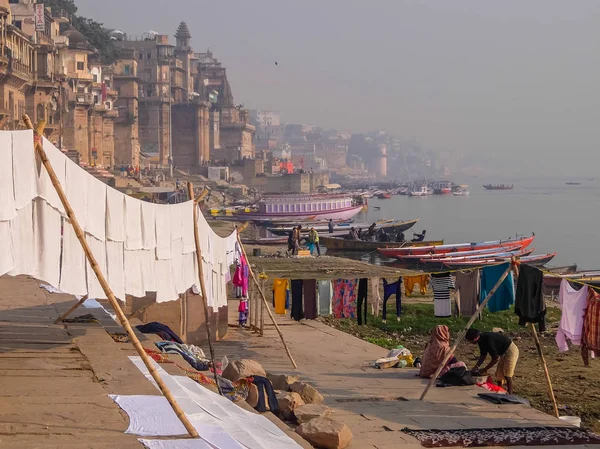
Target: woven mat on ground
88	318
504	436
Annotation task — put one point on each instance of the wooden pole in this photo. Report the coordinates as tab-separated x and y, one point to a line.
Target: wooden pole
266	305
464	331
546	372
70	311
202	286
107	290
262	311
543	359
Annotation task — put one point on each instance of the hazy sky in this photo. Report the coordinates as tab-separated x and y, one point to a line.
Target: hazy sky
513	80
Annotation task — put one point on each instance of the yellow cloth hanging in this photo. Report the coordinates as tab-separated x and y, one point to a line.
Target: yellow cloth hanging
280	286
411	281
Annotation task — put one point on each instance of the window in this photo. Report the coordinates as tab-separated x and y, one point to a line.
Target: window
141	56
127	69
304	208
287	207
17	23
13	1
95	77
96	99
148	55
108	105
80	65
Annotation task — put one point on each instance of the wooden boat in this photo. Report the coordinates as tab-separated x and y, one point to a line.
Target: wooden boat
497	187
536	261
266	241
422	191
573	183
398	253
441	263
384	196
344	228
488	252
341	244
303	207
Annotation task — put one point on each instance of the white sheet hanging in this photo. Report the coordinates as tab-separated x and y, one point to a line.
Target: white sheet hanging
133	224
96	209
134	278
98	248
115	215
7	260
163	232
187	226
24	241
7	194
116	268
47	243
73	277
24	168
148	260
165	282
178	259
45	188
76	180
148	225
176	213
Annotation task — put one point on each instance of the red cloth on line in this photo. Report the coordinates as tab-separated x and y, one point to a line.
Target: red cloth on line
591	326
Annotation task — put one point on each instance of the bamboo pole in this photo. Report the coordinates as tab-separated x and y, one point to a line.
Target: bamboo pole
202	286
262	311
464	331
543	359
264	300
71	310
107	290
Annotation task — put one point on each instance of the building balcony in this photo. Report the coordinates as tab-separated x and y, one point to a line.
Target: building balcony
20	70
60	15
82	98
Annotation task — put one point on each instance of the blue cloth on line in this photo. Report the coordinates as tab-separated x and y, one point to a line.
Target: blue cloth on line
505	295
390	290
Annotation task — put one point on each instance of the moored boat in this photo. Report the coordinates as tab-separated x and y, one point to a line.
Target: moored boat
398	253
535	261
488	252
422	191
442	263
342	229
498	187
303	207
384	196
341	244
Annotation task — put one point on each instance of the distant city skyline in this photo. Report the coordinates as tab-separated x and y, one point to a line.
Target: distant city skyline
514	83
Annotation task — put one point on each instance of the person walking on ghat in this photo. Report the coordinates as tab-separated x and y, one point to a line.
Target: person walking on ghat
313	237
330	225
503	352
296	239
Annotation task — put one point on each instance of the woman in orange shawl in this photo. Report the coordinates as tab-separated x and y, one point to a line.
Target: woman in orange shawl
435	351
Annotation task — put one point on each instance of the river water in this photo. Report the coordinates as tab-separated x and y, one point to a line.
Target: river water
565	219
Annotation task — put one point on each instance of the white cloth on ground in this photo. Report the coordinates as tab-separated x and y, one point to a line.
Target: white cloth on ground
73	277
115	215
7	194
98	248
175	444
45	188
24	242
134	278
573	304
76	189
7	260
96	209
47	242
133	224
24	168
163	232
115	261
148	225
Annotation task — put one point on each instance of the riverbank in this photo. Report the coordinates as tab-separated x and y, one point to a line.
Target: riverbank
575	386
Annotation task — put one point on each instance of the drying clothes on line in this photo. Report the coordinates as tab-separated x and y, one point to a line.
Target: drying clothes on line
23	237
344	298
573	304
411	281
243	312
265	388
76	189
133	224
98	249
162	330
7	261
325	293
24	168
47	228
591	326
149	226
240	278
95	223
45	188
441	283
363	291
505	295
297	311
530	306
310	299
467	288
73	278
280	288
8	210
374	287
115	215
390	290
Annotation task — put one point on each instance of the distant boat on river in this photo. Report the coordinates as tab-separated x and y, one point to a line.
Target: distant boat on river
498	187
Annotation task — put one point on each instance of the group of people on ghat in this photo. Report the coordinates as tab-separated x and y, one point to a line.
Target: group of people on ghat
503	354
379	235
295	237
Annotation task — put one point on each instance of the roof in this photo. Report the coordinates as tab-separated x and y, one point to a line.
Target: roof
183	31
331	186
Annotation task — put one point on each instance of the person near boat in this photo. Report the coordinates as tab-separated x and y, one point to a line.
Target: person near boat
353	234
371	230
297	234
382	236
313	239
400	238
330	226
291	241
419	237
503	352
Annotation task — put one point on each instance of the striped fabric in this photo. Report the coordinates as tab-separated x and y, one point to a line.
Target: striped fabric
591	323
441	283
